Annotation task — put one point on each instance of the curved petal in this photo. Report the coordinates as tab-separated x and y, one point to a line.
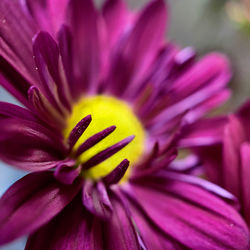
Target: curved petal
16	31
119	231
137	49
82	19
245	176
190	215
31	202
49	14
28	145
204	132
74	228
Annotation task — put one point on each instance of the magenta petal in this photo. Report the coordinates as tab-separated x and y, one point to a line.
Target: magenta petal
46	54
28	145
49	14
212	66
116	175
82	20
95	199
115	15
14	111
204	132
31	202
119	231
13	81
191	216
137	51
245	177
66	172
16	31
78	130
74	228
234	136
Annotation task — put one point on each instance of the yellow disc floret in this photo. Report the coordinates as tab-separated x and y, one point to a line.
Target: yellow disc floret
107	111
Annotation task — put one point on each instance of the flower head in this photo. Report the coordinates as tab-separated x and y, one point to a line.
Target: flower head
229	165
106	100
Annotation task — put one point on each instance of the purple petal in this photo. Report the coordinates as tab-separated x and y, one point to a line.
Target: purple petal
116	175
16	31
93	140
233	138
74	228
116	16
189	215
65	46
204	132
137	51
119	231
245	177
28	145
78	130
30	203
211	66
49	14
83	22
106	153
13	81
13	111
46	54
66	172
44	109
95	198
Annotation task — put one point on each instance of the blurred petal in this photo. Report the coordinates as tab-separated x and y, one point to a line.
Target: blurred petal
74	228
28	145
31	202
95	198
245	180
138	49
119	231
82	19
190	215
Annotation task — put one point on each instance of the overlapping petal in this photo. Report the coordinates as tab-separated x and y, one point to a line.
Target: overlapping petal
190	215
31	202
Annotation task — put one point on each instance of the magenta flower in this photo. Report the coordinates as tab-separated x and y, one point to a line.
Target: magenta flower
229	166
103	91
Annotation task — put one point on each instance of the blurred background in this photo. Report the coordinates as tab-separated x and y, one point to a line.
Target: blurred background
206	25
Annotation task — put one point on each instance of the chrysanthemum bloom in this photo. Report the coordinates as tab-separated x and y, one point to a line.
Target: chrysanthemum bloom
227	161
103	91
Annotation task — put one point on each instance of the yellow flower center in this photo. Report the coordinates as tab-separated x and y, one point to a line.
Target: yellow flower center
107	111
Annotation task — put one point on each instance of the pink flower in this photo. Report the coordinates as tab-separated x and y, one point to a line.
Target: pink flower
102	90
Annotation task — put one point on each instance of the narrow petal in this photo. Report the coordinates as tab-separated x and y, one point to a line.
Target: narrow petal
96	200
29	146
245	177
93	140
14	111
46	54
233	138
116	175
189	215
16	31
119	231
78	130
204	132
49	14
106	153
83	22
30	203
66	172
138	49
116	17
74	228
